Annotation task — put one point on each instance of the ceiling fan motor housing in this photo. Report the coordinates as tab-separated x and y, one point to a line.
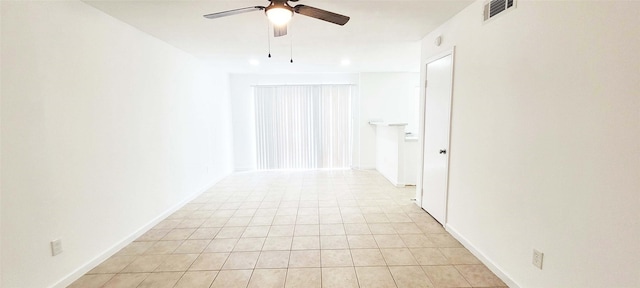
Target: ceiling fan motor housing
279	12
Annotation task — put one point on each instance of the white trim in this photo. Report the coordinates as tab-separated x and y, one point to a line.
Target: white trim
364	168
450	51
453	81
300	84
80	271
483	258
395	184
244	169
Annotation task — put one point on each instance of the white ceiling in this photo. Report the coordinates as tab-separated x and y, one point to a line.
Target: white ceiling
382	36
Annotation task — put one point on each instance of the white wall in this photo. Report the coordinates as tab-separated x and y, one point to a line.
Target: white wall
545	140
241	90
390	153
104	130
412	161
0	143
388	97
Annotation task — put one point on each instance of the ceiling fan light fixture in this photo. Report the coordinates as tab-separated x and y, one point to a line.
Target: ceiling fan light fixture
279	13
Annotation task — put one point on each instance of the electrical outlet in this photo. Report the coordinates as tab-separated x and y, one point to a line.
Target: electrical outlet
56	247
537	258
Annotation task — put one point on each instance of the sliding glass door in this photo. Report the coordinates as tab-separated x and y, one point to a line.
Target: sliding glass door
303	127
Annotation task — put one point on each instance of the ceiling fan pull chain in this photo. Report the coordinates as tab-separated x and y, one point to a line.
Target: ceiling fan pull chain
291	46
269	37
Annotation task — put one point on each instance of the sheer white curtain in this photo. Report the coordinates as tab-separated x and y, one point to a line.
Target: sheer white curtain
303	127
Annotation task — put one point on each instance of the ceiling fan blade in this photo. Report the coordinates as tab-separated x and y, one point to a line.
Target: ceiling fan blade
233	12
279	30
321	14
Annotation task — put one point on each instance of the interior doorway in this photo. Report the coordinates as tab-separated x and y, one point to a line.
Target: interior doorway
437	124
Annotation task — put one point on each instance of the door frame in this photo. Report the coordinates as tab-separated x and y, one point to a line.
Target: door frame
451	51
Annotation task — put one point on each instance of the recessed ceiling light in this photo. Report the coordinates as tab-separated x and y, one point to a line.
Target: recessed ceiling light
254	62
345	62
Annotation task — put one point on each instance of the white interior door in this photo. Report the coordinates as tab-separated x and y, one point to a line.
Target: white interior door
437	123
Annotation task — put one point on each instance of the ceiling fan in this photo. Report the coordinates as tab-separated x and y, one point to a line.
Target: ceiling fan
280	12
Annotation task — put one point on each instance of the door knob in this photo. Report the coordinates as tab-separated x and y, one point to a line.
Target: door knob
443	151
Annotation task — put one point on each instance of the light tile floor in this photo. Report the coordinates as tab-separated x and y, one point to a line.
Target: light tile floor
343	228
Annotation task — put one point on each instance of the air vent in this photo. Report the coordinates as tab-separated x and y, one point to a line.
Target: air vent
495	7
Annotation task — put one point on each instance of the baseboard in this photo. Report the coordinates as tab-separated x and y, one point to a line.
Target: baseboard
394	183
245	169
75	275
363	167
483	258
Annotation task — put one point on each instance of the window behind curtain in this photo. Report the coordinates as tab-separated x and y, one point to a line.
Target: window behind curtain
303	127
